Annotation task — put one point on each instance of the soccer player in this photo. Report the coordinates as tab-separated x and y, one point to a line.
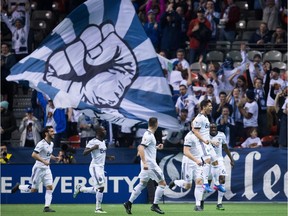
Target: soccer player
192	168
149	168
41	170
220	139
201	129
97	148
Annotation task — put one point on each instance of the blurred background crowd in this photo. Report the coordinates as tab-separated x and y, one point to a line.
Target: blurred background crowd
231	52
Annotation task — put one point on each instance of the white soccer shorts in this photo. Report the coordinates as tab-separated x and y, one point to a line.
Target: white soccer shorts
154	173
40	175
191	171
98	175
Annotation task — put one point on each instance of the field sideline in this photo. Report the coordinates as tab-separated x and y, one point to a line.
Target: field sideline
232	209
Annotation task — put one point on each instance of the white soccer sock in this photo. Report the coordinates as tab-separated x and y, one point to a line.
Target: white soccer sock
91	190
99	197
198	193
136	192
220	197
48	198
206	172
25	188
180	183
215	171
158	193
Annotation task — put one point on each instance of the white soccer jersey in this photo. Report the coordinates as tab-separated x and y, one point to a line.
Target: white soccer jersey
221	139
195	148
202	122
44	149
98	155
149	141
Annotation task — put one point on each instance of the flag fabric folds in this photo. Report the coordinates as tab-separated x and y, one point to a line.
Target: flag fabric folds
100	58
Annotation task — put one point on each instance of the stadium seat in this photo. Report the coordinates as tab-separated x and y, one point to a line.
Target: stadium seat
253	24
236	45
235	55
223	45
74	141
247	35
252	53
280	65
214	56
272	56
196	67
285	57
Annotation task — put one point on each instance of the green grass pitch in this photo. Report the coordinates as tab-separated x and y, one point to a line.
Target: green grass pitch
231	209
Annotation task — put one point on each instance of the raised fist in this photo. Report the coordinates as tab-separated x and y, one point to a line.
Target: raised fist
98	65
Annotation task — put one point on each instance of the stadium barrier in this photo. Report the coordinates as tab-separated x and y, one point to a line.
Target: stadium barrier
258	175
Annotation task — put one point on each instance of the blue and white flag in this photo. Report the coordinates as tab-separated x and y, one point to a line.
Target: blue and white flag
100	58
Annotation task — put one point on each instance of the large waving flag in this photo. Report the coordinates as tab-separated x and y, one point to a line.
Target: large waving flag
100	58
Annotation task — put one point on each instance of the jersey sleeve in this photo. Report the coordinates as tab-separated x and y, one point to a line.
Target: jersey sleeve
197	123
146	140
38	148
188	141
223	139
91	143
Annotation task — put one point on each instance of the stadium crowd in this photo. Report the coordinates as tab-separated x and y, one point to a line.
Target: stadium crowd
213	55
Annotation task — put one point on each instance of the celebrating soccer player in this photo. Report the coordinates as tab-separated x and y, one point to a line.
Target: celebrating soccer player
41	170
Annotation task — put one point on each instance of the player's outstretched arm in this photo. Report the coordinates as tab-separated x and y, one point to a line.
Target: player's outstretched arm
227	151
88	150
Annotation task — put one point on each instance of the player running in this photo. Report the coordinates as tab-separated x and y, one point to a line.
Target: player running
97	148
41	172
149	168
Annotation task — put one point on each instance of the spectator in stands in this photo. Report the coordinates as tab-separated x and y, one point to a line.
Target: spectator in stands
199	33
226	124
72	121
249	110
241	83
176	138
213	17
86	127
233	99
255	67
16	9
8	123
260	97
210	77
20	32
279	36
283	125
184	26
54	117
180	57
275	86
271	14
229	18
151	28
186	101
209	95
4	155
157	6
253	141
224	72
260	37
8	60
217	109
30	129
170	24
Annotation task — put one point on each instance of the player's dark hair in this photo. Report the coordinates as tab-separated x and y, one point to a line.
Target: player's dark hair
204	103
152	122
46	129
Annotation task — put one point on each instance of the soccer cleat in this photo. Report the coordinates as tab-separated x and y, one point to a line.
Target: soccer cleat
220	188
100	211
220	207
48	209
207	188
202	204
15	188
156	208
198	208
76	191
128	206
172	185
